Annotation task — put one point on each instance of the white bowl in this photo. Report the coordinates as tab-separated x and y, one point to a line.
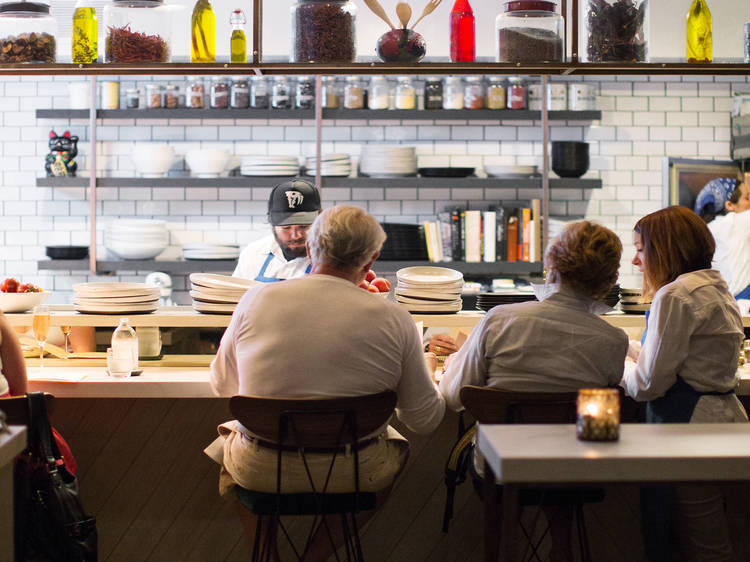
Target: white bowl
207	162
152	160
20	302
128	252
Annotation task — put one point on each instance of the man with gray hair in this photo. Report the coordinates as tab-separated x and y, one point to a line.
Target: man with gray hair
321	335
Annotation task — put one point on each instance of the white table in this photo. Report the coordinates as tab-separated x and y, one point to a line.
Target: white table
522	455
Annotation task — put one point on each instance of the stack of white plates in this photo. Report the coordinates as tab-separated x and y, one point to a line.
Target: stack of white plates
425	289
208	251
136	239
630	301
337	165
501	171
269	166
217	294
115	298
378	160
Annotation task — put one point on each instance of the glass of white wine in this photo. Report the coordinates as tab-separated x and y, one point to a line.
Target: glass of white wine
66	332
41	323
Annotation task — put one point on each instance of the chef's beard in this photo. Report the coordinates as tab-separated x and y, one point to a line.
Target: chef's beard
289	252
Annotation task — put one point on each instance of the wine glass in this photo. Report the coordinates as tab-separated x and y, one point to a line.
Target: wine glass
66	332
41	325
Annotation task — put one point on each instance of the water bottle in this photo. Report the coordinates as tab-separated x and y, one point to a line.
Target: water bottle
124	350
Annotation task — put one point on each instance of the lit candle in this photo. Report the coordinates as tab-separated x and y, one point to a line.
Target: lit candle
598	414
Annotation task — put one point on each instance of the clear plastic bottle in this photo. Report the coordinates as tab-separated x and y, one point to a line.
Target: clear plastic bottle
124	348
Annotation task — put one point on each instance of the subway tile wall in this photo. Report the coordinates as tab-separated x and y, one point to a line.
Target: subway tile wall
643	120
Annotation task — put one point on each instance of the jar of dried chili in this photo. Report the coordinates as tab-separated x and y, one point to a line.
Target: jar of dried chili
323	31
137	31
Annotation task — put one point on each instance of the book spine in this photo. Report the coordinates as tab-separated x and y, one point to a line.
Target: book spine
428	240
536	216
512	235
456	235
473	236
526	225
489	229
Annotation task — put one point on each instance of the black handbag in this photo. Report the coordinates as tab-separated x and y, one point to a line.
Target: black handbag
50	523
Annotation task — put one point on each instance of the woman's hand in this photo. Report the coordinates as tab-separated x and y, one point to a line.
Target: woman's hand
634	350
432	363
442	344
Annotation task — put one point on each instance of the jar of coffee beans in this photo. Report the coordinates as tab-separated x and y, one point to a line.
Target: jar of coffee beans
323	31
219	92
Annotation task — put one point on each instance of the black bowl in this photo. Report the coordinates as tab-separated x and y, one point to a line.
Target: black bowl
570	159
67	252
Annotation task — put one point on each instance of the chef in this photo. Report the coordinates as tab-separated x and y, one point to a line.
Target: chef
292	208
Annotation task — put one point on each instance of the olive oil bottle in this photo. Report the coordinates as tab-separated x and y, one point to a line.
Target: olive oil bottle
203	23
237	41
85	33
699	33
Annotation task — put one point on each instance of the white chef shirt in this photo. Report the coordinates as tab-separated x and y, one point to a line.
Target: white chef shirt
695	331
732	256
556	345
255	254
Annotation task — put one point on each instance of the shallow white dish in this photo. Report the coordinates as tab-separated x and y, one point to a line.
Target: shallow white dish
115	289
117	308
498	170
135	252
129	299
423	274
426	296
213	308
214	280
400	297
20	302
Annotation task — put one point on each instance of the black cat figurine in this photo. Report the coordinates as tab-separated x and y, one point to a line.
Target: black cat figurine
59	161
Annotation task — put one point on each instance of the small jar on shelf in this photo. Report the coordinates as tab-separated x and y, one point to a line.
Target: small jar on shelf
280	93
259	92
132	98
323	31
137	31
27	33
172	96
219	94
516	93
453	93
239	93
406	95
496	93
196	93
433	93
354	93
304	97
330	97
378	93
473	92
154	96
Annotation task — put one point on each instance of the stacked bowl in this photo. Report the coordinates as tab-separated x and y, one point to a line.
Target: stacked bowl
384	161
136	239
115	298
269	166
331	165
429	290
217	294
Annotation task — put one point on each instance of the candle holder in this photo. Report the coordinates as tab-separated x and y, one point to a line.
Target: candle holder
598	414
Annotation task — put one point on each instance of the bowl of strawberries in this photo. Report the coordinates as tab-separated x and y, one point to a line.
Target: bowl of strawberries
377	285
19	297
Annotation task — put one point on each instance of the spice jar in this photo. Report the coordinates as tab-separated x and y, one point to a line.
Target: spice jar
496	93
110	95
581	96
529	31
219	94
433	93
172	96
406	95
280	98
557	96
329	93
239	94
323	31
27	33
516	93
154	96
196	93
473	93
378	94
613	31
534	96
453	93
354	93
132	98
305	94
137	31
258	92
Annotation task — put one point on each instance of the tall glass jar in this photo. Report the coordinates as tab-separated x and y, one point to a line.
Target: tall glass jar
259	92
473	93
529	31
304	97
280	94
27	33
378	93
406	95
323	31
219	95
137	31
239	93
154	96
453	93
172	96
85	40
433	93
600	39
196	93
132	98
354	93
329	93
496	93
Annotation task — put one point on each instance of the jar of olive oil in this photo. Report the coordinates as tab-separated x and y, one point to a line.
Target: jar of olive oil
203	33
85	32
237	41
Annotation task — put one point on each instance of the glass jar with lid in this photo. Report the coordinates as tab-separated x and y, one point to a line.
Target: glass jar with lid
529	31
172	96
219	94
473	92
433	93
354	93
259	92
154	96
453	93
601	41
132	98
305	93
323	31
330	97
406	95
516	93
137	31
378	93
196	93
27	33
239	93
496	93
280	95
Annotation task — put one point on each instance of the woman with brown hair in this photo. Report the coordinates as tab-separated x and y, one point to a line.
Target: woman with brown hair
686	369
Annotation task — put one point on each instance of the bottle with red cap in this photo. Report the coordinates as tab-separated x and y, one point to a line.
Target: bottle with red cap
462	34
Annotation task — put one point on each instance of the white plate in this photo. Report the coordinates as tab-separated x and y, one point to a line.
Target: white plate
424	295
216	281
417	308
104	288
213	308
209	246
129	299
116	308
20	302
442	302
135	253
423	274
210	297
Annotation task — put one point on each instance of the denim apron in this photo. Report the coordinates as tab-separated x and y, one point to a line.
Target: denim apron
743	294
262	273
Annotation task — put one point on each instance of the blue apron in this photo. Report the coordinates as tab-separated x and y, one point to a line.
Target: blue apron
262	273
743	294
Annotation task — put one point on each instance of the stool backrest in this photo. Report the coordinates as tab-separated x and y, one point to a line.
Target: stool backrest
492	405
16	408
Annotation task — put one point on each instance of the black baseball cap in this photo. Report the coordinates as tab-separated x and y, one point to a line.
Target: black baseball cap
293	202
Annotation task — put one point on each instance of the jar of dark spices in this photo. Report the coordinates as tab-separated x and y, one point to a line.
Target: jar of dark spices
219	93
516	93
132	98
613	30
258	92
239	95
323	31
172	96
433	93
529	31
280	95
305	94
196	93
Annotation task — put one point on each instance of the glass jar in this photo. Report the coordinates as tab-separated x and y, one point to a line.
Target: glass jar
453	93
323	31
406	95
378	93
132	98
516	93
601	41
305	94
534	96
354	93
280	94
329	93
496	93
154	96
473	93
258	92
239	94
219	94
196	93
433	93
529	31
172	96
27	33
137	31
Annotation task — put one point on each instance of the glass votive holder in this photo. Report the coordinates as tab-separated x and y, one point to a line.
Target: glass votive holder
598	416
118	367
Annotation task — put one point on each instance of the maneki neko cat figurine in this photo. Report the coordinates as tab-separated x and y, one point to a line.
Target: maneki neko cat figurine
59	161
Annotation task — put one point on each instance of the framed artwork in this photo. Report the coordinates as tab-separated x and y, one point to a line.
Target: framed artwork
683	178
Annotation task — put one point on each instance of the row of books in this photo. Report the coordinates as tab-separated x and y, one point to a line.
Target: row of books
497	234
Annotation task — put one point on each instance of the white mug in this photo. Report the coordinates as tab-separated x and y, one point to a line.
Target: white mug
80	95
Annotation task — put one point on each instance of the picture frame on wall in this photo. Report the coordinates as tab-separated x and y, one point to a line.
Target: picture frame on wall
683	178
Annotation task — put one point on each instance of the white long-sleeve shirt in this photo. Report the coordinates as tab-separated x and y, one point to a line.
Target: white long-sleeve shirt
695	331
732	256
254	255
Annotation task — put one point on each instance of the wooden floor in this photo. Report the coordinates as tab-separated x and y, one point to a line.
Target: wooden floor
155	495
